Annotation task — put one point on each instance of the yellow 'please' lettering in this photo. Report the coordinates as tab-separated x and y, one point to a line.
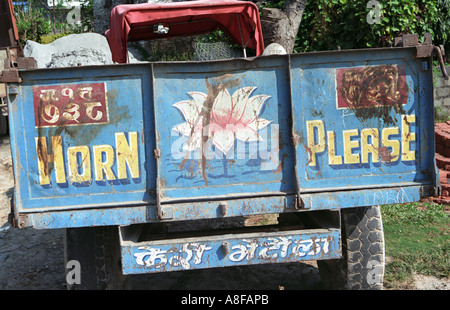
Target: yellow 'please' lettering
361	146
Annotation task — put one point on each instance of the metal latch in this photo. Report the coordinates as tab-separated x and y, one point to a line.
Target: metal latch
425	49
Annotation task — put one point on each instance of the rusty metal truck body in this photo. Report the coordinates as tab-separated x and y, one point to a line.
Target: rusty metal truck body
134	150
9	52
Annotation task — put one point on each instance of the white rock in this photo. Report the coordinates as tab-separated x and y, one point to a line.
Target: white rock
274	49
72	50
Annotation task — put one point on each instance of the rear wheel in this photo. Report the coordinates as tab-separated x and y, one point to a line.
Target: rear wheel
362	265
3	125
95	251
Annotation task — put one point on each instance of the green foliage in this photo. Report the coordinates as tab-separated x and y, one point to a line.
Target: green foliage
171	55
31	24
214	36
440	115
442	24
58	15
87	15
278	4
49	38
38	22
328	24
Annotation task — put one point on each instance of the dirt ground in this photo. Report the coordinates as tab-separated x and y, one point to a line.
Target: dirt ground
33	260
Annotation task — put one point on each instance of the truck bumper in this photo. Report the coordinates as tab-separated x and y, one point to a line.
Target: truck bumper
228	250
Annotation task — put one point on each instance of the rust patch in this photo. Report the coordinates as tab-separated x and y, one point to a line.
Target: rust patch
281	164
70	104
309	154
79	134
405	119
372	91
385	155
42	156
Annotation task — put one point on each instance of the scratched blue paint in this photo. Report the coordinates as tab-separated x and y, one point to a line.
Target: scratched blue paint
124	92
314	98
237	207
244	249
144	99
247	167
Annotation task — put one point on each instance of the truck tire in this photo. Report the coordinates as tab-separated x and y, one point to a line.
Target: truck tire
95	251
3	125
362	264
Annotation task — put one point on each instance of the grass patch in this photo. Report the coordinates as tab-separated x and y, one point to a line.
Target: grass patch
440	115
49	38
417	241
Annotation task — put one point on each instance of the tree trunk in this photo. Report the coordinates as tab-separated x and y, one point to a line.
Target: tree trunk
281	26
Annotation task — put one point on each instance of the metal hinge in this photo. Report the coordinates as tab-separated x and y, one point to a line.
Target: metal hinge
12	65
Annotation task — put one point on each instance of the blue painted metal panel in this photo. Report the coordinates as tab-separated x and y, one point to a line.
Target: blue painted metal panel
341	144
229	250
88	172
237	207
224	128
186	136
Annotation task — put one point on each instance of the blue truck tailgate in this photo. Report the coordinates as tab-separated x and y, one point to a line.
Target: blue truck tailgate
138	143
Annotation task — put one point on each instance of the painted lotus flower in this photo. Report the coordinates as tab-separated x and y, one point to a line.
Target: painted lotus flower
230	117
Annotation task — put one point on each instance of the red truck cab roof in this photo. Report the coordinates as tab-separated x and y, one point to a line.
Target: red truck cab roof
135	22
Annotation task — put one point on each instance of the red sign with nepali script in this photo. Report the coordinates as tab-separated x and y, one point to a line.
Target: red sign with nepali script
70	104
371	86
